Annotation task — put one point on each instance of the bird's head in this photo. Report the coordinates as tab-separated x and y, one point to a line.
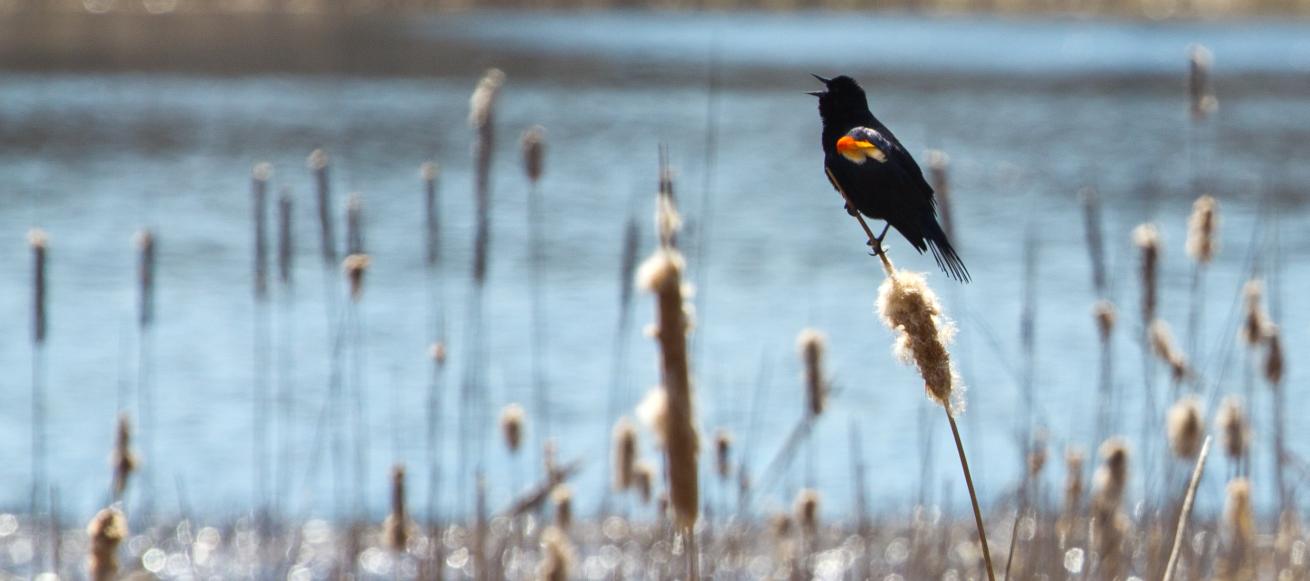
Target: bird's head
841	97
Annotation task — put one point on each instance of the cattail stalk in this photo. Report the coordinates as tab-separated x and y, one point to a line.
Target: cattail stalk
619	387
259	400
39	242
1103	312
318	165
909	307
533	145
1202	242
1273	372
286	250
1109	526
355	266
1147	239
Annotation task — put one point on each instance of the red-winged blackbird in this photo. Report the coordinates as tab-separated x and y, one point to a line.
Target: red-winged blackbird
863	159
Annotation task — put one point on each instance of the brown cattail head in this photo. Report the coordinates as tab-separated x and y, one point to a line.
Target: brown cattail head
1162	343
780	525
511	426
643	480
1239	517
1273	355
562	498
1231	423
1202	229
1253	325
431	219
259	188
534	144
723	453
1147	238
482	107
145	274
557	556
39	242
122	459
318	164
625	453
662	274
1186	427
911	310
107	529
396	527
355	265
811	344
807	509
1104	312
286	239
437	351
1112	477
1199	88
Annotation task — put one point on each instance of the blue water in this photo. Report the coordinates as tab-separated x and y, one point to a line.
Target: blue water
1030	112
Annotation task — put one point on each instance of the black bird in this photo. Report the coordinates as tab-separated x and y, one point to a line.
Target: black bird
865	161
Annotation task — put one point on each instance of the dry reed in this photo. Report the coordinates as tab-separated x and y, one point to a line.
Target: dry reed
812	343
396	527
1255	319
1188	499
1231	423
107	529
1073	488
511	426
1273	365
1186	427
122	459
1109	524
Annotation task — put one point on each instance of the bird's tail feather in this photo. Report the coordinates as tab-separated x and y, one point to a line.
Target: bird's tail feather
943	252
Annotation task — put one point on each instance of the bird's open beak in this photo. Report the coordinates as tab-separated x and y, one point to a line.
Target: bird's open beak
816	93
821	79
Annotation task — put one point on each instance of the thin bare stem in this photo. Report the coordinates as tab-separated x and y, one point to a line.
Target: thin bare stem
1187	509
973	496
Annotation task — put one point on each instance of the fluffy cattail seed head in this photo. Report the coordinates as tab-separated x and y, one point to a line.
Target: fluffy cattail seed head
355	266
1273	355
811	344
910	309
317	160
807	509
1147	238
643	480
1186	427
122	460
723	453
1238	513
533	151
396	527
1162	343
483	102
557	556
625	453
1112	476
662	274
562	498
1253	325
1105	318
511	426
1202	229
107	529
1231	423
429	170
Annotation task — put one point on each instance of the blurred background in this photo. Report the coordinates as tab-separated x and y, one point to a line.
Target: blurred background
123	115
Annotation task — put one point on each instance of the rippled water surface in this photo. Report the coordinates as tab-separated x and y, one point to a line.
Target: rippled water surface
1029	111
